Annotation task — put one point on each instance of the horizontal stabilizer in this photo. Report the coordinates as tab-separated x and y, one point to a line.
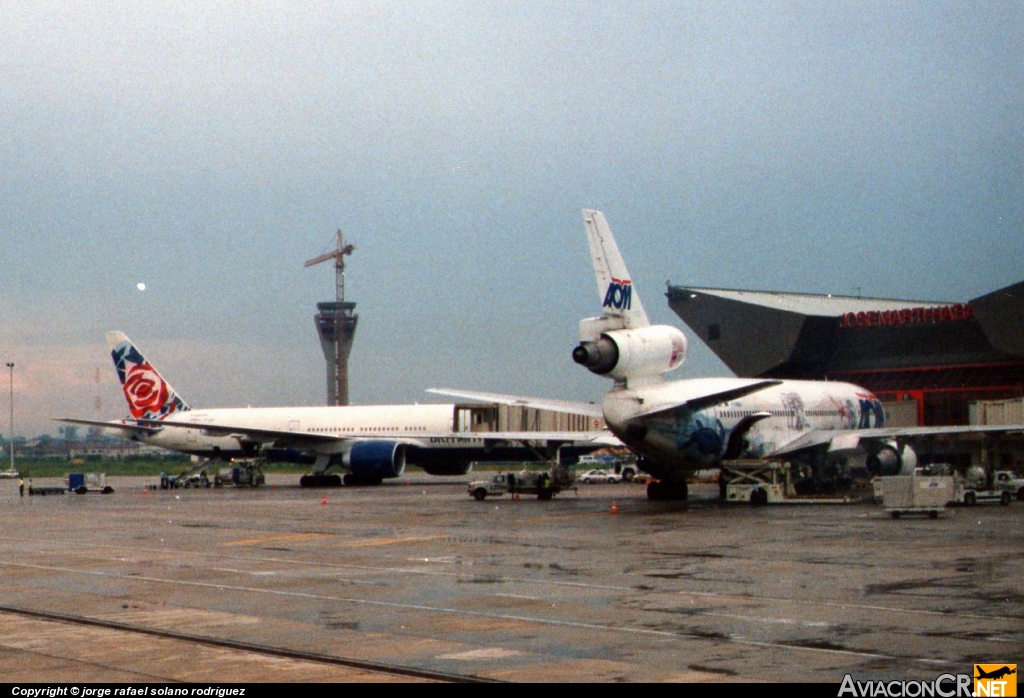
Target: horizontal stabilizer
125	428
708	400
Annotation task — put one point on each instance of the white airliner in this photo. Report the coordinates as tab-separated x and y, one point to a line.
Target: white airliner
371	442
678	427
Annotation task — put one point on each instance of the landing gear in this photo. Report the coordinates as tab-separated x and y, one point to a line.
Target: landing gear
336	480
320	480
661	491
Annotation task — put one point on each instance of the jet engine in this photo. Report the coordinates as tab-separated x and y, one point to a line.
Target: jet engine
373	461
892	459
622	354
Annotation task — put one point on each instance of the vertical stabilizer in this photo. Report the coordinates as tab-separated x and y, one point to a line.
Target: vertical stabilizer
619	298
622	344
148	395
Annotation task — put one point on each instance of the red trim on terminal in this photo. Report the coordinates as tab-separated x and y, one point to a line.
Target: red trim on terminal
943	393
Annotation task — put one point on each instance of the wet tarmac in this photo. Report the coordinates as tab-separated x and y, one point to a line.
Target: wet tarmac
600	585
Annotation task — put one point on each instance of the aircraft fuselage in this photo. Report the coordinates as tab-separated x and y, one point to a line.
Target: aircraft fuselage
687	439
390	421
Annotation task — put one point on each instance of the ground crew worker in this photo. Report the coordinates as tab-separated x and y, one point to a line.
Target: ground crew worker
21	487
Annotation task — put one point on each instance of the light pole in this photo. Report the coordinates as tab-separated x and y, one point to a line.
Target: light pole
10	366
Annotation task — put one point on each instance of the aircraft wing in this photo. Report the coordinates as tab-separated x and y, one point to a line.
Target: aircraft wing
588	409
601	438
850	439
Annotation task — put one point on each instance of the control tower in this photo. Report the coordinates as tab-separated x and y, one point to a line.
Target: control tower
336	324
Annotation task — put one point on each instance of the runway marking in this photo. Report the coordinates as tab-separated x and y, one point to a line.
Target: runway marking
342	544
384	541
444	559
250	572
580	625
561	517
771	621
484	654
275	539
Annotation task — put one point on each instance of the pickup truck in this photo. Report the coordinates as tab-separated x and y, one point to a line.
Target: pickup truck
545	484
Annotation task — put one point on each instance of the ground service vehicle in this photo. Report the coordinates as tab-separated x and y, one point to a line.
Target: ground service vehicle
761	481
916	494
81	483
545	484
977	487
239	476
624	467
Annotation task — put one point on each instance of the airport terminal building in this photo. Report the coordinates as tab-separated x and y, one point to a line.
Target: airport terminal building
941	357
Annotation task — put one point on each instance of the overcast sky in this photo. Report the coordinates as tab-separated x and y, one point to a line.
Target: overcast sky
208	149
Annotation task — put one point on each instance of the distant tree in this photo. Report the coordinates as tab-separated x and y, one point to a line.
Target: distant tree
69	432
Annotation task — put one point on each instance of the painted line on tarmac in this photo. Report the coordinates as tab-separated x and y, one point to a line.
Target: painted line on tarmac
278	539
384	541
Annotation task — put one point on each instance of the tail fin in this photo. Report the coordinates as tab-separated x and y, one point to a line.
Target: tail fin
149	396
614	286
622	344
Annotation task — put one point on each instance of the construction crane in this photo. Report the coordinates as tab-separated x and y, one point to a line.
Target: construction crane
336	325
338	255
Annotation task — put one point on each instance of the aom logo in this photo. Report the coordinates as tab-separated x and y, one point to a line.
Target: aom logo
619	294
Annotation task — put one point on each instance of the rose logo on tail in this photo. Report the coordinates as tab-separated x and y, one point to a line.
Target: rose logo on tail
145	390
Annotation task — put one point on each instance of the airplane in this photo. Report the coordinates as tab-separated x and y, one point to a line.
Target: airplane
679	427
371	443
995	674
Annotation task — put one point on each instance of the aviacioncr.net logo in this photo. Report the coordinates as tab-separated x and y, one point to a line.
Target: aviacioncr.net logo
995	680
944	686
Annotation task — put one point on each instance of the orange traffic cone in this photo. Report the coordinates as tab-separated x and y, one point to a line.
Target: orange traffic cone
615	509
324	500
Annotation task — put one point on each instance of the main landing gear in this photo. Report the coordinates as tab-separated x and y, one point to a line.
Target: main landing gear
335	480
320	480
661	491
